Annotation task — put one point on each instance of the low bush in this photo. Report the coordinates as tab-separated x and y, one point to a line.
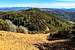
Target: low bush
22	29
7	25
59	35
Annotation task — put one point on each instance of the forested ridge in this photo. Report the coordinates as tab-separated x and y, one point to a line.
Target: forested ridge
31	20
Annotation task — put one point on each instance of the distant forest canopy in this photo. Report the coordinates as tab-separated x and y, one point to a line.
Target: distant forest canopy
32	19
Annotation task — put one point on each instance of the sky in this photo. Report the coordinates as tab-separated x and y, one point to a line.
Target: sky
38	3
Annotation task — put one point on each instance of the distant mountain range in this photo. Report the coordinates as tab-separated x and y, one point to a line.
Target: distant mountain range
45	9
13	8
68	14
61	9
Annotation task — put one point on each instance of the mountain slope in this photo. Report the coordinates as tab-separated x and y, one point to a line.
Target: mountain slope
35	20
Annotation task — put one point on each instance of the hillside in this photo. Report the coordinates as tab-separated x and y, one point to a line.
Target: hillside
36	30
67	14
19	41
32	20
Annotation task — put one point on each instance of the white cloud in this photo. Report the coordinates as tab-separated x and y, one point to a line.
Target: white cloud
45	5
63	5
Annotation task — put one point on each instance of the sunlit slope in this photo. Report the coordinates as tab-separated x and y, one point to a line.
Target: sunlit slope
18	41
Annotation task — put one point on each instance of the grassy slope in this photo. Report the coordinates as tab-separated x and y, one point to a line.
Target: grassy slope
18	41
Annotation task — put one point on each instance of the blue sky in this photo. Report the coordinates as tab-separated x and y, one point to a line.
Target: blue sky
38	3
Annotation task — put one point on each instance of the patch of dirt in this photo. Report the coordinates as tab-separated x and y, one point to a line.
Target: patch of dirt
56	45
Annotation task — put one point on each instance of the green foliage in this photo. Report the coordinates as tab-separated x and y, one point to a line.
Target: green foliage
22	29
63	34
7	25
35	20
59	35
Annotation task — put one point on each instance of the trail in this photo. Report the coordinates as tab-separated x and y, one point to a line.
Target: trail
64	44
51	42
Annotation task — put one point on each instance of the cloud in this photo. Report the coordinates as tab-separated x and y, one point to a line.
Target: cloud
63	5
45	5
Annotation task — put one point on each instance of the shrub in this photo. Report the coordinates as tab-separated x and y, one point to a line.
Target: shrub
7	25
72	35
11	26
59	35
22	29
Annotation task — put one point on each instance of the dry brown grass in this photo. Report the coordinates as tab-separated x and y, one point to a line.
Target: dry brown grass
19	41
